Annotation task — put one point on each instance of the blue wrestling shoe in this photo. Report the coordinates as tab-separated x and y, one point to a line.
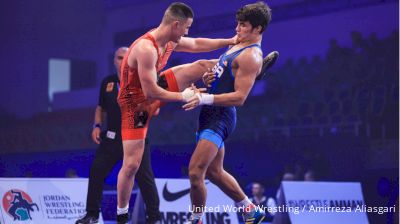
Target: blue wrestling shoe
268	62
192	220
255	217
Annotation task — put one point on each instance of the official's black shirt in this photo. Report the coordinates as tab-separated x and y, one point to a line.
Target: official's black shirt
108	102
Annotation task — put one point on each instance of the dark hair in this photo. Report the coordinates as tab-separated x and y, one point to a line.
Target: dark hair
179	10
257	14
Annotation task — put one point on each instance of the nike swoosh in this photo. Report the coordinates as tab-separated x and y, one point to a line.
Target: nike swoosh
169	196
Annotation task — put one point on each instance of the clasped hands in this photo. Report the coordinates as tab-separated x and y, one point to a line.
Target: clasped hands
195	97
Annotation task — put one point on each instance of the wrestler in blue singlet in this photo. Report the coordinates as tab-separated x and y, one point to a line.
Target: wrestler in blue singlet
216	123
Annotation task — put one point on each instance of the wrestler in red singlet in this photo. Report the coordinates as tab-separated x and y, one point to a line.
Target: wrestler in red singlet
136	110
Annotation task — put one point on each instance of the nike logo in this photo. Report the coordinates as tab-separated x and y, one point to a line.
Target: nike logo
169	196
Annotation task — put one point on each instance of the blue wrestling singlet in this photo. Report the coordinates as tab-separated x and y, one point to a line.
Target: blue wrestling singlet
216	123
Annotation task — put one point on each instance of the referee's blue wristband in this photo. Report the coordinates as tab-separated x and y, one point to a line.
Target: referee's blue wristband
97	126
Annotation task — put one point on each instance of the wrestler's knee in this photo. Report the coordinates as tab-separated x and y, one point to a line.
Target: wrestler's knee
196	176
204	64
130	168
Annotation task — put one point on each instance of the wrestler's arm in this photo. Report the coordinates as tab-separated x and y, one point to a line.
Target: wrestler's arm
146	57
187	44
249	65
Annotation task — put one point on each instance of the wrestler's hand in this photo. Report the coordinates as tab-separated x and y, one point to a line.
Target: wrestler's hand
96	135
199	99
208	78
197	90
235	40
192	103
189	92
156	112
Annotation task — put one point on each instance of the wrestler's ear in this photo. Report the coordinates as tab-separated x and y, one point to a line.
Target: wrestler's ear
258	29
175	24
